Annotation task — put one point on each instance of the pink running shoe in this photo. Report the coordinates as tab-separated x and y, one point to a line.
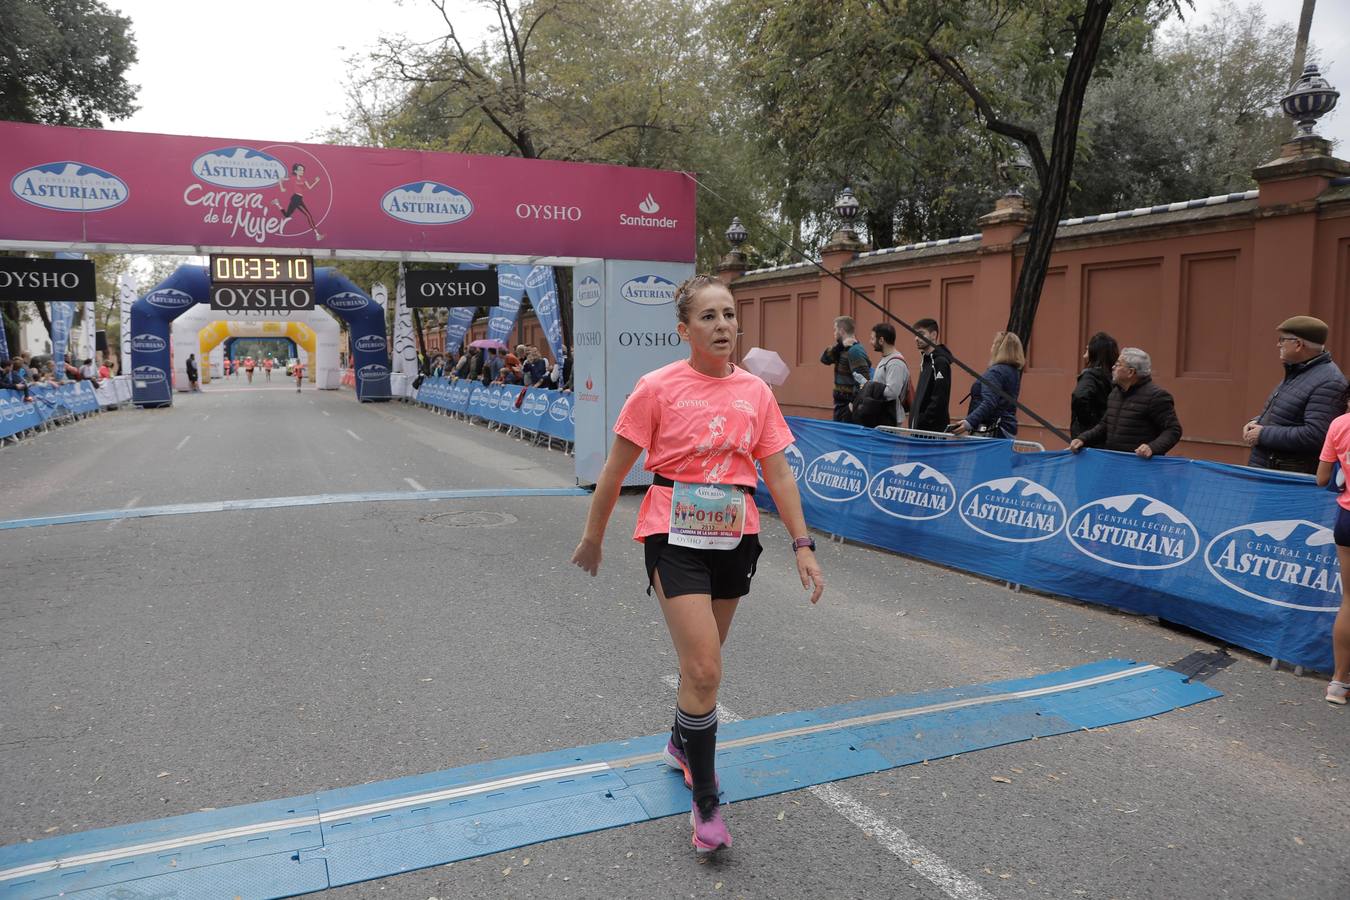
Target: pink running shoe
675	758
710	834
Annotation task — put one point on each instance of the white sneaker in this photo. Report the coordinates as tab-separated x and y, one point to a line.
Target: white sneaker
1336	692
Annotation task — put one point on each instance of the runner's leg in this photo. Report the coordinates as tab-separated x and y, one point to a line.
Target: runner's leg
697	638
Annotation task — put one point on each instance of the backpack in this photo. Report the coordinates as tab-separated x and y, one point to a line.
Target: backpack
870	406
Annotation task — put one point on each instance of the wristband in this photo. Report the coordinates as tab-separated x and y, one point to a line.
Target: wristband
807	542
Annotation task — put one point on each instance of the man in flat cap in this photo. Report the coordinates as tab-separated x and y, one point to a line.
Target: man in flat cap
1289	432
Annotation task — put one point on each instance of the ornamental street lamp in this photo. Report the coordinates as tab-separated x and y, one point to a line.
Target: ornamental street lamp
736	235
1308	100
1015	172
734	262
846	207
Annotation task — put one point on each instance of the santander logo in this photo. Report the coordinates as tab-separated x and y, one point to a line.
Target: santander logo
649	205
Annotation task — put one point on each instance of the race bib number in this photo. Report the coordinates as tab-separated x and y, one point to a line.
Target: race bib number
706	516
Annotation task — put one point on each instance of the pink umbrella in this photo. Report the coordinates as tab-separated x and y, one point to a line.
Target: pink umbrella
766	364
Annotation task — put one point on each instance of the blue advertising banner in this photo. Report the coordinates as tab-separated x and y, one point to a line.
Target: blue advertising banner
49	401
510	291
543	290
457	323
62	313
548	412
1241	554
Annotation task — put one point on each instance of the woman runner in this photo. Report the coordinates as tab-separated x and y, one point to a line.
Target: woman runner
297	189
703	422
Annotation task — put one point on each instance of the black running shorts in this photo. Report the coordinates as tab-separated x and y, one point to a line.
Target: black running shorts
722	574
1341	534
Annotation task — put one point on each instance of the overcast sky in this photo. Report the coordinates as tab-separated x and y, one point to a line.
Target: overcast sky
275	69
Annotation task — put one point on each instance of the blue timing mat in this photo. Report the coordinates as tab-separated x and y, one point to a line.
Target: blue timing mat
288	847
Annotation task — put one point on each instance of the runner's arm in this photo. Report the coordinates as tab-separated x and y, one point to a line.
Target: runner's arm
622	456
783	488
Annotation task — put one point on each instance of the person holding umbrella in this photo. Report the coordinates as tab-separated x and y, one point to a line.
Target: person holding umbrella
704	423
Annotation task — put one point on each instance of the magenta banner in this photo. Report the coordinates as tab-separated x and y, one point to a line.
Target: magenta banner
78	187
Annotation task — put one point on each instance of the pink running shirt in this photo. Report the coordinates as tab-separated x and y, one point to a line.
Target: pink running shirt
1337	447
697	428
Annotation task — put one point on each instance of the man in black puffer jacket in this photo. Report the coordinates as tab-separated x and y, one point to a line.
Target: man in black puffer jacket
1288	434
1141	417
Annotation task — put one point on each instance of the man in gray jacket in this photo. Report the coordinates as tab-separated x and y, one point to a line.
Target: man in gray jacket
1289	432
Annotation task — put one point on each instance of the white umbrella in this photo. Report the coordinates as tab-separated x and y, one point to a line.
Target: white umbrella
766	364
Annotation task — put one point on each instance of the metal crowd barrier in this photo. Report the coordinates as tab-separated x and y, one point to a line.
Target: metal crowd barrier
1019	446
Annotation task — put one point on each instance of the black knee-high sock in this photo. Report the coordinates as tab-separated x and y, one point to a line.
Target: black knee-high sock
675	737
700	746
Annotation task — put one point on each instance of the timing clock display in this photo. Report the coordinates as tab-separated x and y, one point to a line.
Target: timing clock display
261	269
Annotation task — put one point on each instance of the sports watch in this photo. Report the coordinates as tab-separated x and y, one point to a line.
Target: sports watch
807	542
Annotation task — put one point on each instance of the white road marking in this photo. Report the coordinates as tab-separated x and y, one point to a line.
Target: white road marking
354	434
205	416
182	442
324	411
893	839
130	503
412	482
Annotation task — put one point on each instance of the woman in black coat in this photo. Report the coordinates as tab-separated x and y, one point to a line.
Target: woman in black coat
1094	383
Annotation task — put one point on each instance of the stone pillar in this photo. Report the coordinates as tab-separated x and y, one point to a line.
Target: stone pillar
997	279
843	248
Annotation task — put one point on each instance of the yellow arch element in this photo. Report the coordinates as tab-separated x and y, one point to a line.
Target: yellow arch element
211	336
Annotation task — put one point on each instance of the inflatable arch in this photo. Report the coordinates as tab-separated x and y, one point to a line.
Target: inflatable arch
205	331
152	315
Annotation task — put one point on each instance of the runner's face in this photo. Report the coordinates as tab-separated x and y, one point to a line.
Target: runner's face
711	329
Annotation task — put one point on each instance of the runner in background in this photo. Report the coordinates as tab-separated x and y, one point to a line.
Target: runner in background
267	369
299	375
704	423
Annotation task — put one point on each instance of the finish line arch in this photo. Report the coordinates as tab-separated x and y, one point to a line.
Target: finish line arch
153	315
202	330
628	234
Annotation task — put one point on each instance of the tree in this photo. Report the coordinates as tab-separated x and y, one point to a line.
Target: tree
64	62
1191	119
1056	41
634	83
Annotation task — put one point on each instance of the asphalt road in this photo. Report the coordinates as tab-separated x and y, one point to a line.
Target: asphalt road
152	667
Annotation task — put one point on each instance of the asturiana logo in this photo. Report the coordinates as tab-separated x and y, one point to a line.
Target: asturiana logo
710	492
148	343
373	372
1013	509
1288	562
838	476
560	410
169	298
427	203
1133	531
538	277
70	187
912	490
149	375
509	280
348	301
588	291
371	343
240	167
648	290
